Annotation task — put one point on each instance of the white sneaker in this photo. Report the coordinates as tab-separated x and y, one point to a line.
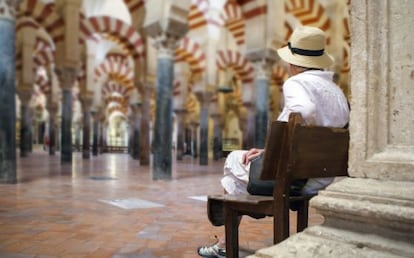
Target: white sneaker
212	251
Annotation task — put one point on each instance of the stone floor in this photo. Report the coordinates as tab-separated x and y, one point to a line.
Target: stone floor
109	206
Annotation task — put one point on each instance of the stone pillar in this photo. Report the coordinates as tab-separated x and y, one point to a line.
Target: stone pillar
262	106
86	128
95	133
144	152
52	108
25	122
78	130
204	99
371	213
130	133
247	125
101	136
66	78
263	61
136	121
162	143
194	139
180	113
217	137
166	22
7	96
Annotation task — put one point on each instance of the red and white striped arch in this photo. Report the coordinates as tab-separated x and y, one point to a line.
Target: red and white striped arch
116	99
347	45
233	19
176	91
115	27
252	8
114	64
196	15
134	5
44	57
310	13
44	83
43	54
121	109
233	59
114	87
191	52
44	15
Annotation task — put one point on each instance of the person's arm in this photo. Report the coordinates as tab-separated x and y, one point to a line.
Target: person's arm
251	154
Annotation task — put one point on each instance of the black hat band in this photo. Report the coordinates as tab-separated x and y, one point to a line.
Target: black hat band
304	52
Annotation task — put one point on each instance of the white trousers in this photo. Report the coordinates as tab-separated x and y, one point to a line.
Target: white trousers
236	174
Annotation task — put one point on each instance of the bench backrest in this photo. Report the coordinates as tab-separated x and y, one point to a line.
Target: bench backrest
310	152
273	150
294	151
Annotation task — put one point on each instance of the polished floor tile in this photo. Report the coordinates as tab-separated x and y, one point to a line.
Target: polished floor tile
109	206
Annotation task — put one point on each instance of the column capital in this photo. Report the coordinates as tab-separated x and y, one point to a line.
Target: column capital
86	103
166	45
218	118
66	77
180	112
136	108
263	60
24	96
204	96
52	107
8	9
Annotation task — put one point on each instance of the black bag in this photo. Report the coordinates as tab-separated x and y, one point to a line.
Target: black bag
257	186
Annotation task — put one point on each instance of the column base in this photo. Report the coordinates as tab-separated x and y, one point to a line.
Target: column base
363	218
321	241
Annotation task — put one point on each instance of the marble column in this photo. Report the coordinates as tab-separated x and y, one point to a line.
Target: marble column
52	108
7	95
371	213
78	130
102	142
25	122
162	143
262	109
204	99
136	121
167	24
247	125
144	152
180	113
130	134
66	78
86	128
218	136
95	133
263	61
194	139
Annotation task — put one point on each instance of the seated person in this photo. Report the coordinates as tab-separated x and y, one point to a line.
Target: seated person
310	91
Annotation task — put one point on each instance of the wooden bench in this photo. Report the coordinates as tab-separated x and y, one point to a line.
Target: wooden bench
292	152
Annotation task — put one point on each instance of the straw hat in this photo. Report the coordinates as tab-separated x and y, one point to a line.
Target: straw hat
306	48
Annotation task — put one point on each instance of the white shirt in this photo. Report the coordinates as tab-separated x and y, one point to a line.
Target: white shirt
314	94
321	102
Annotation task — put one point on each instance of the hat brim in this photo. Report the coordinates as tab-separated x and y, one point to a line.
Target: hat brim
322	61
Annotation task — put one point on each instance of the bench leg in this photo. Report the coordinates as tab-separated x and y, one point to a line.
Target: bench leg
232	232
302	216
281	222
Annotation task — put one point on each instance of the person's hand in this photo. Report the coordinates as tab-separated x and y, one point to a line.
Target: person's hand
251	154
